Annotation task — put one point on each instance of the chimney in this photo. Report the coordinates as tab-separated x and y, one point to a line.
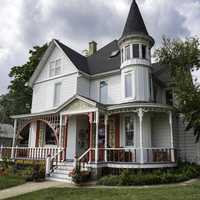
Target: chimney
92	48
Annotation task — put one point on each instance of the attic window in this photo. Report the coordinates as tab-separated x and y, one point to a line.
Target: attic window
114	53
55	68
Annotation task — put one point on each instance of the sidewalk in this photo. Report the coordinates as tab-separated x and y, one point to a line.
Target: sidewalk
29	187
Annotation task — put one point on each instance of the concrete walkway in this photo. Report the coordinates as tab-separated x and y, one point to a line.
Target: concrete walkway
29	187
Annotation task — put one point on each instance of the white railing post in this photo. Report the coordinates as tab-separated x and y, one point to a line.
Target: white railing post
171	136
48	165
14	139
140	115
97	137
106	137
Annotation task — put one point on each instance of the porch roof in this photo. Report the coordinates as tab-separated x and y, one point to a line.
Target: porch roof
60	108
134	106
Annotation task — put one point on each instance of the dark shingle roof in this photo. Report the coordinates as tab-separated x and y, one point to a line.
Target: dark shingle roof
78	60
97	63
102	61
135	23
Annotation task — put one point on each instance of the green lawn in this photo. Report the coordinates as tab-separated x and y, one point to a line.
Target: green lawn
191	192
10	181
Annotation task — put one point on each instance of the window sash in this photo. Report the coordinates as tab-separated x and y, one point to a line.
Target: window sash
127	53
103	91
136	51
55	68
57	94
128	85
129	130
144	52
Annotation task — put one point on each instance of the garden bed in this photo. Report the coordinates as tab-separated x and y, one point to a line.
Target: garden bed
152	177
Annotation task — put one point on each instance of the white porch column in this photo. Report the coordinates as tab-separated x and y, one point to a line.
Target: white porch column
140	115
60	132
106	136
14	138
97	137
171	136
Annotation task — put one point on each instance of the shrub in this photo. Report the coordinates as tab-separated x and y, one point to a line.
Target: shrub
153	177
109	181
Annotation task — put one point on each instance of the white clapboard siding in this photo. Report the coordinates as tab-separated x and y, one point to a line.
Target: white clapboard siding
114	89
161	130
43	93
83	86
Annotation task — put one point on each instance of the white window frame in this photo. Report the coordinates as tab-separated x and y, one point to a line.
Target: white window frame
133	85
125	52
52	68
100	91
134	130
55	104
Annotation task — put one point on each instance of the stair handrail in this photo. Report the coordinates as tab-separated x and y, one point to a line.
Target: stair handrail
50	160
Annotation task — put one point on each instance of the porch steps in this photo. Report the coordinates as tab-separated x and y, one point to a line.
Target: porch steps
61	173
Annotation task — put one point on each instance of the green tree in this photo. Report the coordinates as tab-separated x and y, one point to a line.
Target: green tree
18	100
182	57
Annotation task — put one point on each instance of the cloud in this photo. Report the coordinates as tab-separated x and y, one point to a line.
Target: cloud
76	22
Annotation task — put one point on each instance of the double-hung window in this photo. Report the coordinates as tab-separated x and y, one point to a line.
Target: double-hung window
55	68
128	85
129	130
57	94
144	51
103	92
127	52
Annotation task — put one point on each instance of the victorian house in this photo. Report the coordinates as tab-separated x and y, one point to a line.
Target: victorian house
109	109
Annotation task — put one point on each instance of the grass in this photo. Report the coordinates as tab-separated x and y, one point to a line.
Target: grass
190	192
10	181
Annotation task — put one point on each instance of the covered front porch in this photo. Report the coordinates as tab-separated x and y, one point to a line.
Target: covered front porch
83	131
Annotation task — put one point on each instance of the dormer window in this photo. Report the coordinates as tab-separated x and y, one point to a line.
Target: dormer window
127	52
55	68
144	54
136	52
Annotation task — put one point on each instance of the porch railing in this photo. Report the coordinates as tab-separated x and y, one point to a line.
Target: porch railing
31	153
129	155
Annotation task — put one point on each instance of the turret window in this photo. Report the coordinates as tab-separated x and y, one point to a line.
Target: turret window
136	51
144	53
127	52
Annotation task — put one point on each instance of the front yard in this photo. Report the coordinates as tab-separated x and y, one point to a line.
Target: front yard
189	192
10	181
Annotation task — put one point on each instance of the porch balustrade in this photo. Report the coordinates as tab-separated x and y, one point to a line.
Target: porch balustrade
30	153
129	156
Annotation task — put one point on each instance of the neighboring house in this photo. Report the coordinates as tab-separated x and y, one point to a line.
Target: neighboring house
111	109
6	135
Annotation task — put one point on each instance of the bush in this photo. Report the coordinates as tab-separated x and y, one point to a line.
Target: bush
127	178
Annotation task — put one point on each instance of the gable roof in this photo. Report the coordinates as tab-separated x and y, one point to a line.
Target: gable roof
135	23
78	60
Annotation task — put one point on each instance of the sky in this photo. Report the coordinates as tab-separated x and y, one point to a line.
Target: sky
26	23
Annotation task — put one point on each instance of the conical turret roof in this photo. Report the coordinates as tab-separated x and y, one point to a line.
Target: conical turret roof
135	23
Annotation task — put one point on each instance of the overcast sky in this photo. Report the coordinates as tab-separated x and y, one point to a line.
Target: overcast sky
25	23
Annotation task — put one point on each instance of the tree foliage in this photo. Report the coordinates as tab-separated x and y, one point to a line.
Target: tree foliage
183	57
19	97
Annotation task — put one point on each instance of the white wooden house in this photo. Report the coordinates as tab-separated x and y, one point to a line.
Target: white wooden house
110	109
